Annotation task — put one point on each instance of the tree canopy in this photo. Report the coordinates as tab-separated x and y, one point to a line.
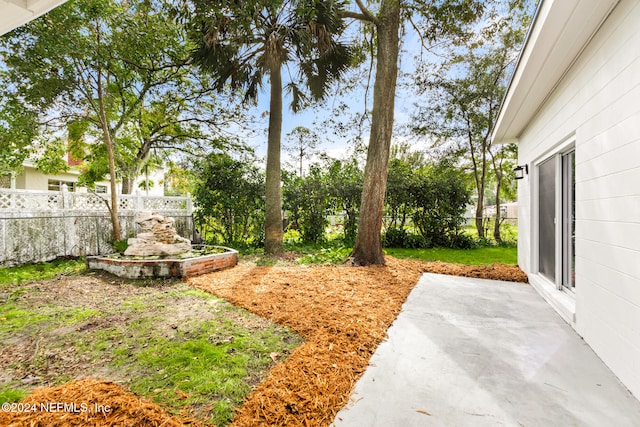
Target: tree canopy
240	43
112	80
465	92
436	19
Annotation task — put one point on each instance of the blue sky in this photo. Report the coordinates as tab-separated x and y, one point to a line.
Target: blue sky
406	98
355	100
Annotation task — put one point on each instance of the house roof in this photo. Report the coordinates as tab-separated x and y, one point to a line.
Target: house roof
14	13
560	31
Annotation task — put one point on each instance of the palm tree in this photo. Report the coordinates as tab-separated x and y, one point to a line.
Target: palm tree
242	42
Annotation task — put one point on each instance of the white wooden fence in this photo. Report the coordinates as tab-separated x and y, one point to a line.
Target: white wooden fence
42	225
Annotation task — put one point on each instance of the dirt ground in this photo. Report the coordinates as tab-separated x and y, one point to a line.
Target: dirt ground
89	291
342	312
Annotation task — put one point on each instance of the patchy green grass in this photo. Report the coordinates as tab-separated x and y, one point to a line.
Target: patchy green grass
335	252
508	233
324	255
202	366
15	319
331	251
478	256
11	395
183	348
207	363
40	271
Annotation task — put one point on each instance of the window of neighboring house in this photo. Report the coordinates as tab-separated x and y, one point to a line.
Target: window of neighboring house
5	181
56	185
102	189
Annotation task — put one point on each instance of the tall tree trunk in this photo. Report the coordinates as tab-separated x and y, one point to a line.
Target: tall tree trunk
497	168
273	233
480	212
127	184
496	225
117	234
368	245
481	183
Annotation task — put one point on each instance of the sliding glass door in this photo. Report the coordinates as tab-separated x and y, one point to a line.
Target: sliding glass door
556	219
547	218
568	220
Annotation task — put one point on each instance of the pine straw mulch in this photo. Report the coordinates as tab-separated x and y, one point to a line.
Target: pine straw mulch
342	312
118	407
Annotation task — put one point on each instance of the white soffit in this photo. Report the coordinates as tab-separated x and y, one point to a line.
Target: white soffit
14	13
560	31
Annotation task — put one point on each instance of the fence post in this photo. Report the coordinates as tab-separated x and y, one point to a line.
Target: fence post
66	204
66	196
139	201
189	204
97	235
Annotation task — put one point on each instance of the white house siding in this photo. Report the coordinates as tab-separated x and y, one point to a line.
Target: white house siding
32	179
598	103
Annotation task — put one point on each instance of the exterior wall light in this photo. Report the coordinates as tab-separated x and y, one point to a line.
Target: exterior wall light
520	171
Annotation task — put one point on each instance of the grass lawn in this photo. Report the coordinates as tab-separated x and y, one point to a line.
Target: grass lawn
183	348
191	352
479	256
40	271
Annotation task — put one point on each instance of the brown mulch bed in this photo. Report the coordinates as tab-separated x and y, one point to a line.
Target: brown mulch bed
88	402
342	312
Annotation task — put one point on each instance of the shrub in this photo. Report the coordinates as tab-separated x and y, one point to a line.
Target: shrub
307	200
394	238
229	200
121	245
416	241
400	238
440	196
462	241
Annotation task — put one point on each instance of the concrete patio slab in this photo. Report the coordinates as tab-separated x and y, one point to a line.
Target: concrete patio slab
473	352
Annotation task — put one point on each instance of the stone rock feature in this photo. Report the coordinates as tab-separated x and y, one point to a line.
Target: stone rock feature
158	237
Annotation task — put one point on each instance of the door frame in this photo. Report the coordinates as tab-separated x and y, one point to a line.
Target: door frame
556	154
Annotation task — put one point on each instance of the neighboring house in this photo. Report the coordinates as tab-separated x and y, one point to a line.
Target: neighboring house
573	108
32	179
15	13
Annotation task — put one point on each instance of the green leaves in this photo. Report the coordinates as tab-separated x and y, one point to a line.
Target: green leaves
430	196
127	55
228	199
334	187
239	43
465	94
447	18
440	197
52	158
18	128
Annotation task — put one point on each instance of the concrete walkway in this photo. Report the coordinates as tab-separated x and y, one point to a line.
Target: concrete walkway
472	352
